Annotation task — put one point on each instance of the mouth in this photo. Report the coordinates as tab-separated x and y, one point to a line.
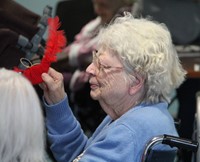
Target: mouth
93	85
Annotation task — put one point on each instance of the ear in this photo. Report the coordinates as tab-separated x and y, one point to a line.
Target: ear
137	85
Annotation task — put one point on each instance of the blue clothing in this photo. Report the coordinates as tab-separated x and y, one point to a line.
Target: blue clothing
122	140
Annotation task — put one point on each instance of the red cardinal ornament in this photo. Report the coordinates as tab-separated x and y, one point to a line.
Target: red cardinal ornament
55	42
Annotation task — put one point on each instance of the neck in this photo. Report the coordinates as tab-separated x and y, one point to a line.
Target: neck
120	107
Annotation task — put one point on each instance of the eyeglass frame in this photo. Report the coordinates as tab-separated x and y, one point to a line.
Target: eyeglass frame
99	65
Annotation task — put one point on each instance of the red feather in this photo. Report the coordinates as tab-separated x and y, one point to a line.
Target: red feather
55	42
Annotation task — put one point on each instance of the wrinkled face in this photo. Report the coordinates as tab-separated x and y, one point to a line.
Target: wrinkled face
107	78
105	9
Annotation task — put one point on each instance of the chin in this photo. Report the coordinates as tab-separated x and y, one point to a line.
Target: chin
94	95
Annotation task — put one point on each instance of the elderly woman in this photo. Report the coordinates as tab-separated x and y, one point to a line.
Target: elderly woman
134	70
78	55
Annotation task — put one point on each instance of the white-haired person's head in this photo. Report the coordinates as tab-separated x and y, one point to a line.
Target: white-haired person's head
146	50
22	136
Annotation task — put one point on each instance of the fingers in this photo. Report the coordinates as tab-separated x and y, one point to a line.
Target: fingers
48	80
43	86
53	86
54	74
52	77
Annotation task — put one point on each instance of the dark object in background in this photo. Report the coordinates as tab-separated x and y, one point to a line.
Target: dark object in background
74	14
182	17
21	33
15	20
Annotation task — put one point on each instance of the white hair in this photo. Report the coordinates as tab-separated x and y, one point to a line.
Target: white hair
22	136
145	47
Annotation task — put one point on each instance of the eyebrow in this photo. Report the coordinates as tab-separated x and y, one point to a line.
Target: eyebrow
100	53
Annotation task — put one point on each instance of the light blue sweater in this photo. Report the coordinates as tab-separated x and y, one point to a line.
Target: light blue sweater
122	140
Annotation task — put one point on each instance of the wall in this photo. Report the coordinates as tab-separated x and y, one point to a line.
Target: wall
37	6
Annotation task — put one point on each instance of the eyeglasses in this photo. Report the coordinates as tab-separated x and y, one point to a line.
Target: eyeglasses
102	67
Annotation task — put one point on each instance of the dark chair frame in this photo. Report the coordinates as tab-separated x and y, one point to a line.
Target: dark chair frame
169	155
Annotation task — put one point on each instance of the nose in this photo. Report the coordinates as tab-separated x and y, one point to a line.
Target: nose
91	69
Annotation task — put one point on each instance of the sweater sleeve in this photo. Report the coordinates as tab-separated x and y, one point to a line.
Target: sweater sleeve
64	132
